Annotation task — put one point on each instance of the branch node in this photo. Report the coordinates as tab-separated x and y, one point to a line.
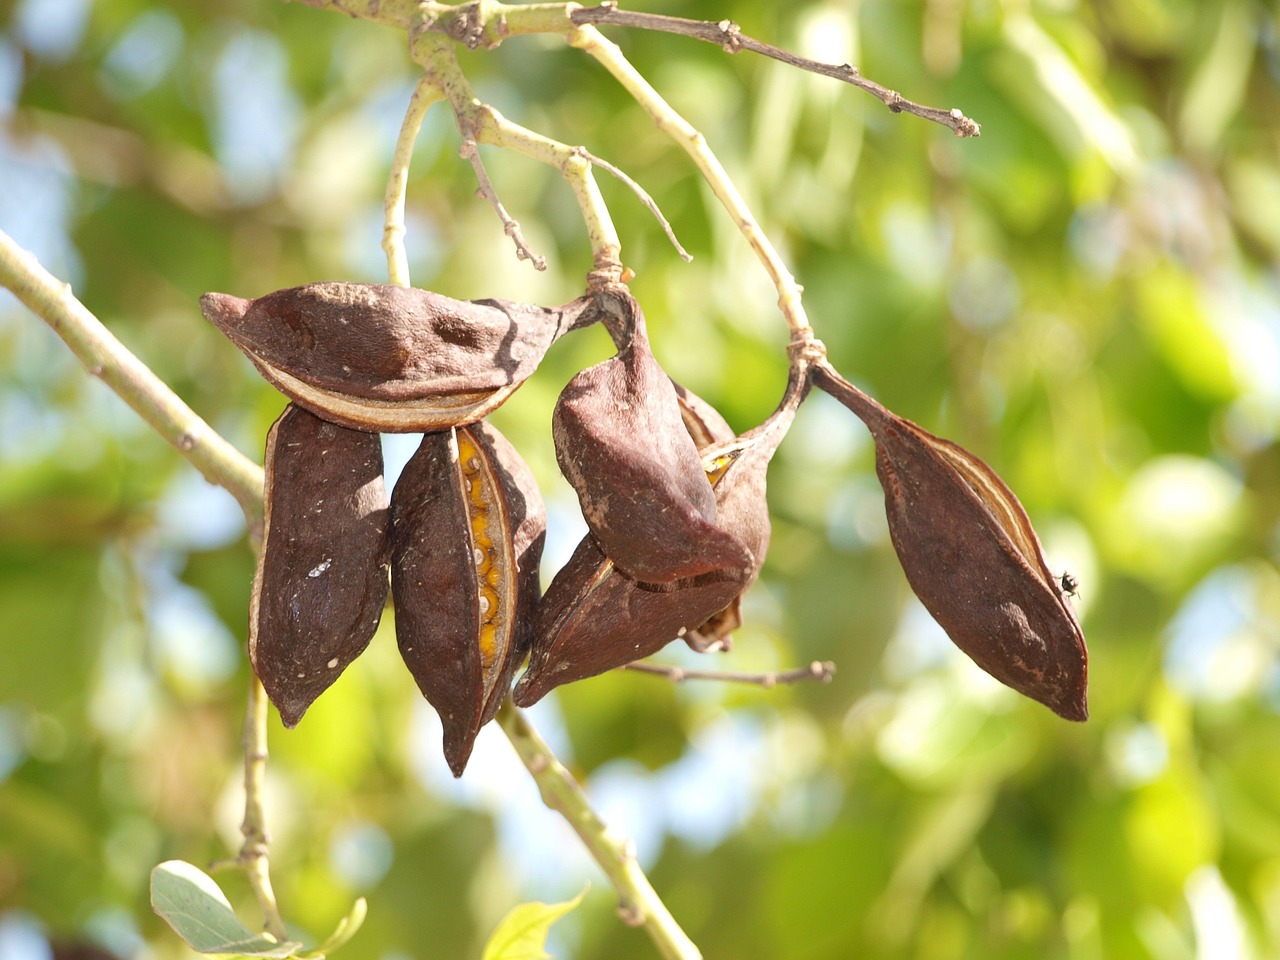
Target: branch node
731	41
630	915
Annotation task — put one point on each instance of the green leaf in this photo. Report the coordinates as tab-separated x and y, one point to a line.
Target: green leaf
199	912
522	934
344	931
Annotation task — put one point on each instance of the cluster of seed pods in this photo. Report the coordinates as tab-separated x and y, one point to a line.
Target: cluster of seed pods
673	499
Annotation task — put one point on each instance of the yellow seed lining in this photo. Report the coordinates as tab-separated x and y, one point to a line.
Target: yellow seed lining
486	520
717	463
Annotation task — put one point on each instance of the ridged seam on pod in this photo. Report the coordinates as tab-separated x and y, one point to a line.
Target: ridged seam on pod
467	534
737	472
972	557
321	582
594	617
621	443
387	358
708	428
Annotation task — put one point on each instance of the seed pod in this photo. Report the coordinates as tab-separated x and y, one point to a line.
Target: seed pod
621	443
468	526
971	556
702	421
322	571
707	428
391	359
594	617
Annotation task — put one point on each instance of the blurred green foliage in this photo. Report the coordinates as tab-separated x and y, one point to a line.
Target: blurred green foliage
1088	296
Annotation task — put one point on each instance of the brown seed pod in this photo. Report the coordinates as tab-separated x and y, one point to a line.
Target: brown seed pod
594	617
391	359
707	428
468	526
971	556
322	571
622	445
703	422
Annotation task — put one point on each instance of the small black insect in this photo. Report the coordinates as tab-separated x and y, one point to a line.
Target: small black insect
1069	584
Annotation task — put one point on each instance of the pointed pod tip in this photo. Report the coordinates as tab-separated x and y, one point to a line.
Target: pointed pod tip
222	309
528	692
1077	710
457	753
292	712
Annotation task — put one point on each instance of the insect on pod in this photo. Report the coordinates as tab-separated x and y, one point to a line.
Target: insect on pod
321	582
594	617
468	525
621	443
392	359
972	557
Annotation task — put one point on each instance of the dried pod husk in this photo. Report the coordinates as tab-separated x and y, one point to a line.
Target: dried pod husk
391	359
595	618
703	422
707	428
468	526
621	443
321	582
972	557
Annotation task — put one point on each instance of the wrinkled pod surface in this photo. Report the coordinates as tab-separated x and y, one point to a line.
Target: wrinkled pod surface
468	526
321	581
595	618
972	557
622	444
389	358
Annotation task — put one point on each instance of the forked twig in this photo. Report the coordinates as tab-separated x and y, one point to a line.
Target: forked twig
727	35
645	198
820	670
469	151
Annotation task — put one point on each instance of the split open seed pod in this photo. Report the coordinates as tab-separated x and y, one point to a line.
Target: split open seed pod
595	618
970	554
621	443
391	359
468	526
707	428
321	582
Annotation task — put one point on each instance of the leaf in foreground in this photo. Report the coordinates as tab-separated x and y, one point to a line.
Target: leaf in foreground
195	907
522	933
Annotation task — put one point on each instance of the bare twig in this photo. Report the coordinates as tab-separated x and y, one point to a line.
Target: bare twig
727	35
253	855
219	462
468	151
643	194
820	670
424	95
591	40
639	905
107	358
484	124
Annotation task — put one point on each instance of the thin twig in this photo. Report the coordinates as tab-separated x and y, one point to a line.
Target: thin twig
639	904
109	360
727	35
476	119
219	462
820	670
469	151
393	231
645	198
591	40
253	855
